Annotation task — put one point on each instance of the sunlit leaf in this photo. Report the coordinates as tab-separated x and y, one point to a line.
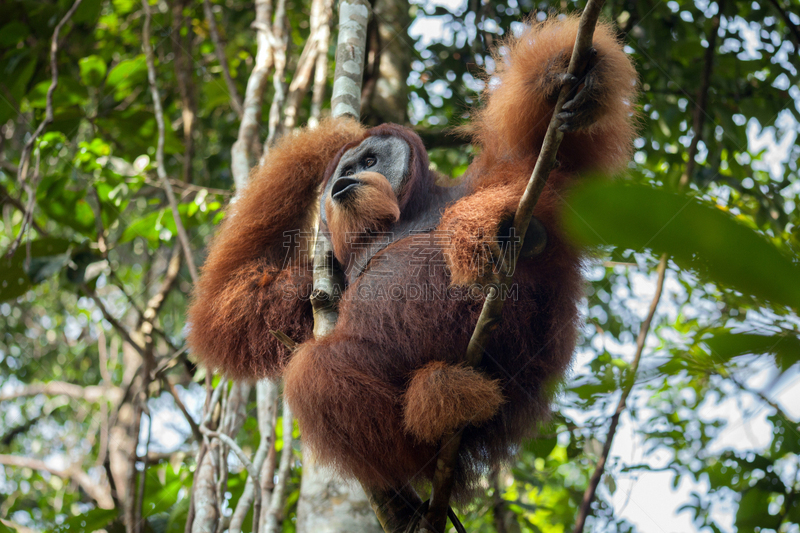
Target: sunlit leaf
93	70
696	236
726	345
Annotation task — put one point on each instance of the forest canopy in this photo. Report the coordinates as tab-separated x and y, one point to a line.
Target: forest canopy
687	366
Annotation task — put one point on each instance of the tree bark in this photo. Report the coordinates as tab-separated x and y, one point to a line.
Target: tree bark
385	93
327	503
330	505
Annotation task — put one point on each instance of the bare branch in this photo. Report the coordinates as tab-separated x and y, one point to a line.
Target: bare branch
143	476
173	391
122	330
215	397
236	100
321	67
700	114
17	527
6	198
160	169
102	246
91	393
189	187
182	48
763	397
154	304
132	514
242	157
309	62
98	493
589	493
351	43
204	497
251	469
280	43
27	213
274	515
267	402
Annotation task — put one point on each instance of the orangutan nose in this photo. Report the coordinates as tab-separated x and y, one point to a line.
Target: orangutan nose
344	188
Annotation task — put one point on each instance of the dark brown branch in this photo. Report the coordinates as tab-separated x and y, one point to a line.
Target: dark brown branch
763	397
698	119
195	428
155	303
393	509
170	361
102	247
589	493
436	517
189	187
700	114
116	324
791	25
440	138
284	339
236	100
162	172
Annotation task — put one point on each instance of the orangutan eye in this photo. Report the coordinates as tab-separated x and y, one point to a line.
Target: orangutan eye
370	161
349	172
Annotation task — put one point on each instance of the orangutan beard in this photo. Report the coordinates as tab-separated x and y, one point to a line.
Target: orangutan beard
372	208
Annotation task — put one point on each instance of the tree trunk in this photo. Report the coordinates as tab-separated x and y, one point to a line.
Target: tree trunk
329	504
389	56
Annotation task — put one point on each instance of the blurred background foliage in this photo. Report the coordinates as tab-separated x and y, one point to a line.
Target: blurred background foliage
713	410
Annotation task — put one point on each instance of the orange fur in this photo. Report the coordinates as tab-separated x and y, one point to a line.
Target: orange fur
252	271
472	225
373	396
511	127
373	209
442	398
515	119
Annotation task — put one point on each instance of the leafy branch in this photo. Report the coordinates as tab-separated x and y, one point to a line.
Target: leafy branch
24	158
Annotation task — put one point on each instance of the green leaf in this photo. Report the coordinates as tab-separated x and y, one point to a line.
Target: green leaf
16	280
89	521
127	75
147	226
696	235
754	512
88	11
541	447
726	345
16	73
12	33
93	70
